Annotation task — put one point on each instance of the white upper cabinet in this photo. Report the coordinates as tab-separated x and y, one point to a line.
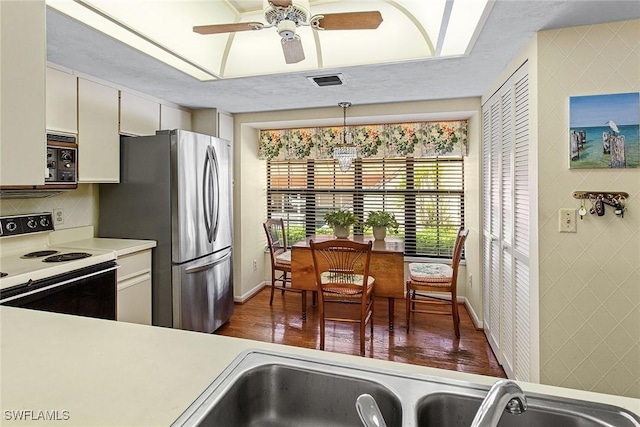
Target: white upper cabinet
174	118
62	101
138	115
98	137
22	92
225	126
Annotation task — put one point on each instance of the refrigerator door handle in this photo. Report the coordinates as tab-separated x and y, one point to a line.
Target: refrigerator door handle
215	220
207	178
202	267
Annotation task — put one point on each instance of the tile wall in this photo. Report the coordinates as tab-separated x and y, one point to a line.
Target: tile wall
80	207
590	280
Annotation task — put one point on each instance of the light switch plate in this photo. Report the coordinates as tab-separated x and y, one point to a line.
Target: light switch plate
567	220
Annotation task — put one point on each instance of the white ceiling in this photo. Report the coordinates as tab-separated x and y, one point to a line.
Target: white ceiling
509	26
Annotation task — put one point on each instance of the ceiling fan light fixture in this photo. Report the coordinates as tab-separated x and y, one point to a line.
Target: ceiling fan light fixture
292	48
287	29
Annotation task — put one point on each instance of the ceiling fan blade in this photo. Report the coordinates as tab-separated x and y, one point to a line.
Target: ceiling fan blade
351	21
292	49
227	28
281	3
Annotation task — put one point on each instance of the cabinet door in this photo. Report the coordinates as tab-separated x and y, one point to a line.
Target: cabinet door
225	126
22	91
98	138
62	101
174	118
134	300
134	287
138	116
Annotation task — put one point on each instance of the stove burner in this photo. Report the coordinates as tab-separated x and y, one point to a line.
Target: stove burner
66	257
39	254
2	274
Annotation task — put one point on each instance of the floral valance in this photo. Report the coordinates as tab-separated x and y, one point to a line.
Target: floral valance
417	139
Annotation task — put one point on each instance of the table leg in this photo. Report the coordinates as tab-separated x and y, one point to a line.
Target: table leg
391	307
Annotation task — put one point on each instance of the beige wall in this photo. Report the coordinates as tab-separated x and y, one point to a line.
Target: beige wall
589	281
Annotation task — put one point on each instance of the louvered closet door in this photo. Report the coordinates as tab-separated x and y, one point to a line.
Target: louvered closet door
505	193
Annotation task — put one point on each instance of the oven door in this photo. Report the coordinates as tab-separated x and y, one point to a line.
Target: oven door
89	292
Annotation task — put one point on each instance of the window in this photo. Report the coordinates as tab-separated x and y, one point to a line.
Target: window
425	194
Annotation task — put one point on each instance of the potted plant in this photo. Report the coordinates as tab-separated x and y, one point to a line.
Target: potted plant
380	221
341	220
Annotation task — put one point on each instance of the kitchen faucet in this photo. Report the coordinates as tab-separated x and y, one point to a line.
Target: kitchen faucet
505	395
369	411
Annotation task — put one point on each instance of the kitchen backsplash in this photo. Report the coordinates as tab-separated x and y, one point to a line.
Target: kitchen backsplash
79	207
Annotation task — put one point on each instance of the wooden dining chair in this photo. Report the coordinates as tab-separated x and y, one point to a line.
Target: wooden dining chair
280	255
436	279
342	276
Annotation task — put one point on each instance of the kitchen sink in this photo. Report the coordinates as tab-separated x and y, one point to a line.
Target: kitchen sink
271	389
279	395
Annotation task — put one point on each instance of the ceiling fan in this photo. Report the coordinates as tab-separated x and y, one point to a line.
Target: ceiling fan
286	16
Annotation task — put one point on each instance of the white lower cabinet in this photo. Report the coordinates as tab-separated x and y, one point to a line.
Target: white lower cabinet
134	287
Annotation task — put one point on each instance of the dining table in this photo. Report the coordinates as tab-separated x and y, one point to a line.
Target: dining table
386	267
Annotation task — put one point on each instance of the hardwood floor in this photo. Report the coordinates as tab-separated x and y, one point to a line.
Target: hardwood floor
431	341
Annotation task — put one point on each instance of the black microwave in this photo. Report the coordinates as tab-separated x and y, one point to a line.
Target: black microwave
62	160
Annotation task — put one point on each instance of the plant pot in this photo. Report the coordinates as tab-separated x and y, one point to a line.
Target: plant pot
379	233
341	231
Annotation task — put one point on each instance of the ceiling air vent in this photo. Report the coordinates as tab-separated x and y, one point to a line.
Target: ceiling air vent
327	80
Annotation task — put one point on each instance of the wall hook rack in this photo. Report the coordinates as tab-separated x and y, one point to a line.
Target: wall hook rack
616	199
604	195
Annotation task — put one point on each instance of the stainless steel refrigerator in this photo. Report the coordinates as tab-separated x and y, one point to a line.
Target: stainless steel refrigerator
176	188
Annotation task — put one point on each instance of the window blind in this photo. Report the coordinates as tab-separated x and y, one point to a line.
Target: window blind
426	195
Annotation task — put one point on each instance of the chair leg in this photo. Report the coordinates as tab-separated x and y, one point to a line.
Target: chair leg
304	305
408	301
273	285
455	315
371	318
363	329
322	330
284	281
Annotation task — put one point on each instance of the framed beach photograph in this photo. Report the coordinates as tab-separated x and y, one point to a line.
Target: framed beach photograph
603	131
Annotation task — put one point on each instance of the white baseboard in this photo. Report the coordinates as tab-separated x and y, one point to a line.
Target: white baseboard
244	297
474	317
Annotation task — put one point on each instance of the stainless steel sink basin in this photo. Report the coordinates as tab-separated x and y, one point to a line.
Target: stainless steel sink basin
270	389
277	395
448	410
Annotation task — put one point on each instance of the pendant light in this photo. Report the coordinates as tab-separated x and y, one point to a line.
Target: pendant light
345	152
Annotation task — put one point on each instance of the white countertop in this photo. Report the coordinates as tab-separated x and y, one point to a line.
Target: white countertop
120	246
107	373
82	238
